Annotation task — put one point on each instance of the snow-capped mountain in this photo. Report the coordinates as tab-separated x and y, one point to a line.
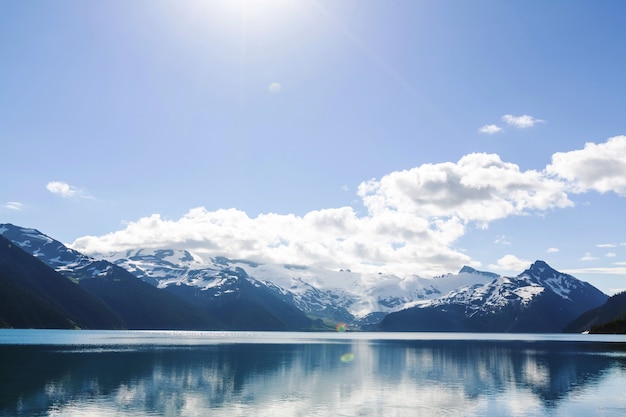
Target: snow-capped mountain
539	299
130	298
179	297
342	295
290	297
69	262
468	300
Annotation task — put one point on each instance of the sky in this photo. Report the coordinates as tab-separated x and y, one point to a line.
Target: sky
405	137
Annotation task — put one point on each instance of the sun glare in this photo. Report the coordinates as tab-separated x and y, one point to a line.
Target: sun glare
261	6
260	16
266	11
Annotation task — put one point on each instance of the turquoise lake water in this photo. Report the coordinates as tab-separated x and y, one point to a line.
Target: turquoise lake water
148	373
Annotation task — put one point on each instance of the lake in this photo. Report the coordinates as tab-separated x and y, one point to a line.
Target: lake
161	373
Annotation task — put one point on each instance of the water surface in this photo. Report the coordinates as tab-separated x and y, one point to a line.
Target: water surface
131	373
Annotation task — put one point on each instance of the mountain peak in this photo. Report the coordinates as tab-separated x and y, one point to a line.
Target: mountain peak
539	268
25	237
540	264
469	270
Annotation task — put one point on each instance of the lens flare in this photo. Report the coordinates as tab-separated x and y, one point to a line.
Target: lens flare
341	327
347	357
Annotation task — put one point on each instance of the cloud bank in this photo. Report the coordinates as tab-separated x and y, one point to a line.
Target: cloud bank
413	217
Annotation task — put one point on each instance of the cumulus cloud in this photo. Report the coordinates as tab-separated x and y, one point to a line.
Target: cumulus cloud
552	250
14	205
331	238
510	263
521	122
599	167
413	218
62	188
65	190
490	129
479	187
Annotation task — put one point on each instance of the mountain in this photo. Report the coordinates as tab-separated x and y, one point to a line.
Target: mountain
540	299
174	288
360	300
33	295
184	273
137	304
470	300
243	303
220	288
608	318
208	298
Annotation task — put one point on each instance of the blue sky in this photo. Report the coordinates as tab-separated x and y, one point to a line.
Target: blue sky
407	137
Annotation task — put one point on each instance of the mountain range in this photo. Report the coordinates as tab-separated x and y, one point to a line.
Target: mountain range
179	289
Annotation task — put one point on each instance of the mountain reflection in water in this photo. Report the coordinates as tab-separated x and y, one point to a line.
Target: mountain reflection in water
352	377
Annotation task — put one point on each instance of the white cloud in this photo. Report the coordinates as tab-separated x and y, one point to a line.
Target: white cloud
275	87
61	188
479	187
490	129
611	255
14	205
599	167
605	245
510	263
65	190
413	220
333	238
502	240
599	270
588	257
521	122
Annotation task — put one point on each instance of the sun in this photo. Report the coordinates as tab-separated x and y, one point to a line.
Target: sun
255	16
256	7
261	11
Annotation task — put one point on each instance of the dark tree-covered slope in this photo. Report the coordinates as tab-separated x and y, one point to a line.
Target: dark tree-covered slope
608	318
137	304
33	295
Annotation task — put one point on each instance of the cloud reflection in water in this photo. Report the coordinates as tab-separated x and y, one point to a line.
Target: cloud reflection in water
391	378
